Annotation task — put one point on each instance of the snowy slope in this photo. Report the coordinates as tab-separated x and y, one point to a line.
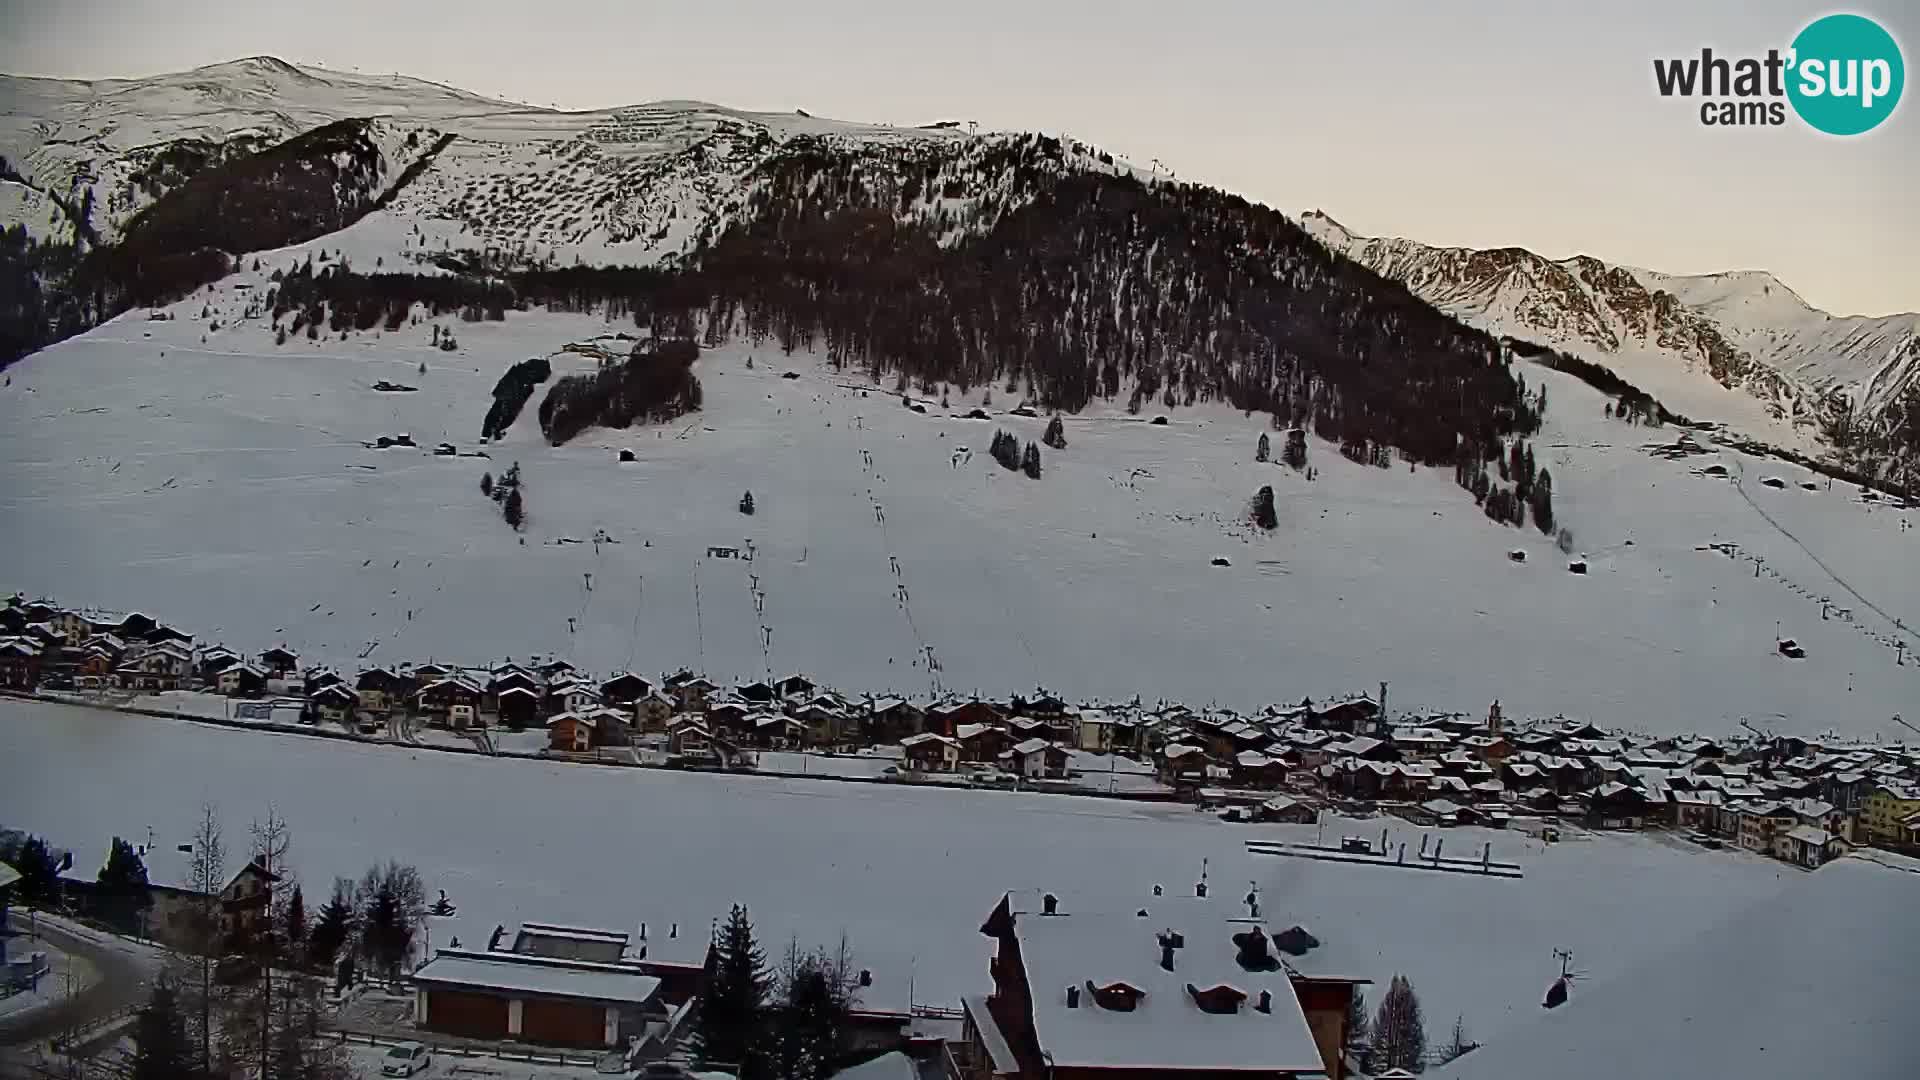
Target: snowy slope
1738	348
908	873
1828	994
221	481
630	185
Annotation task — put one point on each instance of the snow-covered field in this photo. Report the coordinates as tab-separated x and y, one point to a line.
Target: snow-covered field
223	485
908	873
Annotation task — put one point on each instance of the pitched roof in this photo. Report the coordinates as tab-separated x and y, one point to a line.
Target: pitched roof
1166	1029
538	975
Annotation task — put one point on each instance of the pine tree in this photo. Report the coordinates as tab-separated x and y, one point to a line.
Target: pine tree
486	484
1264	448
39	883
1056	435
1543	502
731	1021
514	510
816	991
1030	462
1294	456
161	1050
1262	509
333	927
123	888
392	901
293	928
1399	1039
1358	1023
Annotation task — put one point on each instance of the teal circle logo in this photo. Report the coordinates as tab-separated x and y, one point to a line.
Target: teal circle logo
1846	74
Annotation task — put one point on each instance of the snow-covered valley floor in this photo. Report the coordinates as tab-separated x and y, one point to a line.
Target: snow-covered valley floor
907	873
223	485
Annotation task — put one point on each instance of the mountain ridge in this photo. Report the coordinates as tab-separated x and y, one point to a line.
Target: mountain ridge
1745	329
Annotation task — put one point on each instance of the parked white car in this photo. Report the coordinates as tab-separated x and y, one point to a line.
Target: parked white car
406	1059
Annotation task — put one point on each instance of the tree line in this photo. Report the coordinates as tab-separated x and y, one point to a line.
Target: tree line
789	1023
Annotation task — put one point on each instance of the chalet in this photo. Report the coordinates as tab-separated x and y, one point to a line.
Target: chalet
246	901
496	994
518	707
564	695
930	752
689	691
167	633
1026	727
73	625
729	715
611	727
1036	758
319	678
213	661
947	717
279	663
688	737
794	686
1617	806
1809	846
159	667
1443	812
1282	808
758	691
652	711
776	731
20	660
1187	990
1352	715
624	689
1251	768
1420	742
333	702
242	680
570	733
451	701
1095	731
378	689
1183	763
554	669
827	721
1042	706
981	742
1364	747
890	719
506	678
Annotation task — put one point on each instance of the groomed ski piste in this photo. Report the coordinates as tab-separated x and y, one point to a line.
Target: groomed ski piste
224	484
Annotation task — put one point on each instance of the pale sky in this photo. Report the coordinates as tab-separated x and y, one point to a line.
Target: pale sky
1471	123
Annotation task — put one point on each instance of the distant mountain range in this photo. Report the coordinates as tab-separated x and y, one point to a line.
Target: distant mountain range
1744	330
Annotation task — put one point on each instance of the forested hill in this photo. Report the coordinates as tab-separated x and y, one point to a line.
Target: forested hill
1061	284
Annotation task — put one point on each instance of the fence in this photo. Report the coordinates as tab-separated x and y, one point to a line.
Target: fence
501	1053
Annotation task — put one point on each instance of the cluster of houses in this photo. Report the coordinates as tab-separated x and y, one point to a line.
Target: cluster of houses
1801	800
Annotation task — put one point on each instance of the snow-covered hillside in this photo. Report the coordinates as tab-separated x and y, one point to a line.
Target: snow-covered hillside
217	480
1739	348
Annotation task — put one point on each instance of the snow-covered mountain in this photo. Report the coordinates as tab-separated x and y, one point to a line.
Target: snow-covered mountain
1688	339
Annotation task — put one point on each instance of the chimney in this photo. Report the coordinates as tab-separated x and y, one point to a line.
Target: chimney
1266	1001
1073	997
1200	889
1049	904
866	977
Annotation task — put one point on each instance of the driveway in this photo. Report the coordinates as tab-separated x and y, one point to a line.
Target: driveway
121	971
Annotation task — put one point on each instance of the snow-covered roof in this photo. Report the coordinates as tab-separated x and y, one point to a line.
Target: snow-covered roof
892	1065
538	975
1166	1028
1811	834
1716	1005
1030	746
